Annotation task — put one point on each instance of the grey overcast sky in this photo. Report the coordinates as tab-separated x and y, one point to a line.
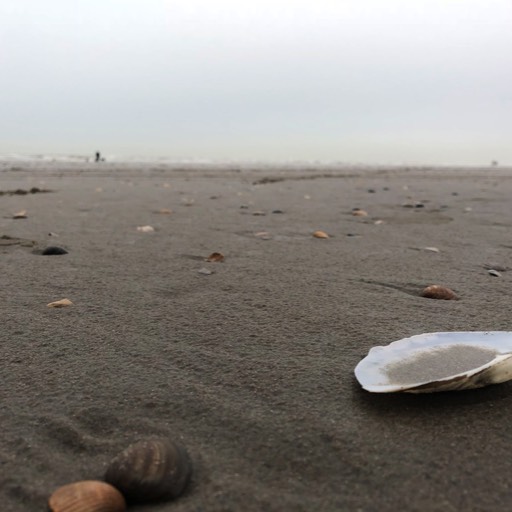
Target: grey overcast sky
366	81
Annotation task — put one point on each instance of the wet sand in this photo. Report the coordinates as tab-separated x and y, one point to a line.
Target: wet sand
250	367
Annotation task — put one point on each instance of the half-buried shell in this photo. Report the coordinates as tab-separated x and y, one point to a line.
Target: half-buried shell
152	470
440	361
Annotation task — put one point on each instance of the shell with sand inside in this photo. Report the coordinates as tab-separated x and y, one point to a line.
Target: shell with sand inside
440	361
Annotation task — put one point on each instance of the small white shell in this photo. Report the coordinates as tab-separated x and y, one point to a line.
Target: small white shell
439	361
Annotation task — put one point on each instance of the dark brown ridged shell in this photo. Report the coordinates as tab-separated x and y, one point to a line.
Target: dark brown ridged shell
87	496
151	470
438	292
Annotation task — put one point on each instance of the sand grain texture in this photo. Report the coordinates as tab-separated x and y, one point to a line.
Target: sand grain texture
250	368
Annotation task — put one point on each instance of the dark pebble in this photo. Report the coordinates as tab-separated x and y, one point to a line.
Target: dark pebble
277	211
371	191
53	251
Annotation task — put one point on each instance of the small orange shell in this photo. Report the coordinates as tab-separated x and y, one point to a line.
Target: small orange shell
320	234
152	470
87	496
438	292
215	257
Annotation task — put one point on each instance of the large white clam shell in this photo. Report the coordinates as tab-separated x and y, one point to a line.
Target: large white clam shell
439	361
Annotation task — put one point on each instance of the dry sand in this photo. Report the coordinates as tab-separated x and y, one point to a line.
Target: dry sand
251	367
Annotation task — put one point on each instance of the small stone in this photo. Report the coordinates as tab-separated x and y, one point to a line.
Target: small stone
320	234
205	271
259	212
63	303
379	222
371	191
277	211
357	212
53	250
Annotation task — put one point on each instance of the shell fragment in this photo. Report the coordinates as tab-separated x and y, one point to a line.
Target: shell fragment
440	361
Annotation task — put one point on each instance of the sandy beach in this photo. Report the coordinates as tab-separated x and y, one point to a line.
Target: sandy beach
249	363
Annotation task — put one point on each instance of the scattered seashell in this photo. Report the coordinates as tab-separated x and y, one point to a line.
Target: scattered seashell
379	222
145	229
150	470
264	235
20	215
468	209
320	234
439	361
357	212
166	185
431	249
438	292
53	250
60	303
205	271
164	211
493	272
259	212
307	196
87	496
215	257
52	234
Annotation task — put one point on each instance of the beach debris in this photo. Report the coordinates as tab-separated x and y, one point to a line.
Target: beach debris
163	211
468	209
22	214
205	271
436	291
415	204
357	212
244	206
379	222
493	272
277	211
259	213
53	250
145	229
439	361
22	192
215	257
151	470
371	191
431	249
320	234
62	303
51	233
87	496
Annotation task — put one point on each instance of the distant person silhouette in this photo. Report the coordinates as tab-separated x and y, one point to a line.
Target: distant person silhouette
98	156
